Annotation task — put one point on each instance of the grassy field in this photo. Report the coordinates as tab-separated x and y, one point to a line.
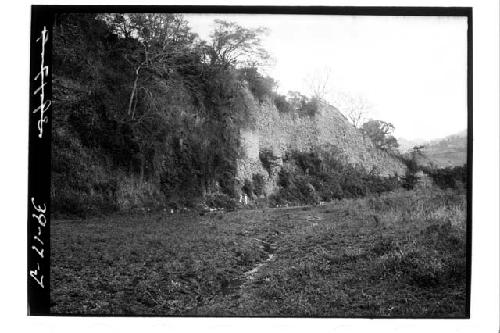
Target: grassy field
400	254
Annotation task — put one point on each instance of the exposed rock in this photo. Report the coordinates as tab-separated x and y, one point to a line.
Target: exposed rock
279	133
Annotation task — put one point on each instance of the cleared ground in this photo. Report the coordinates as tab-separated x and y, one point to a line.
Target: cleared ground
401	254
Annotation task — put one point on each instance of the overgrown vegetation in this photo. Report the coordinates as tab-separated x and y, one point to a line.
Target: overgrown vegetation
264	89
296	104
323	175
402	254
139	96
450	177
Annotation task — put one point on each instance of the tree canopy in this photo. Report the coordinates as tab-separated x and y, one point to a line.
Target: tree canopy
380	132
234	45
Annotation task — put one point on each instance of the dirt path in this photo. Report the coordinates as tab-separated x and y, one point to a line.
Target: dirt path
250	275
240	283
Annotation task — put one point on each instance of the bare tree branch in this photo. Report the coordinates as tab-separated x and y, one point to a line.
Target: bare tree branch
355	108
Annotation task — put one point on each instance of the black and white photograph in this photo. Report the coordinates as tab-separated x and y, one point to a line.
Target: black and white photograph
235	162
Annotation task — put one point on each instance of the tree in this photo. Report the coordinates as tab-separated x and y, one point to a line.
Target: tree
234	45
416	153
410	178
380	132
260	85
162	39
156	48
355	108
318	83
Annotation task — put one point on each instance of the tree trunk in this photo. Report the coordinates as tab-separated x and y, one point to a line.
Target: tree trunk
134	107
134	88
143	162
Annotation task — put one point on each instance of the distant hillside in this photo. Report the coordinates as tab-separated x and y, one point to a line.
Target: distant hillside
406	145
448	151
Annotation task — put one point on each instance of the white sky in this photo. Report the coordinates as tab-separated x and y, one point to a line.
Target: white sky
412	70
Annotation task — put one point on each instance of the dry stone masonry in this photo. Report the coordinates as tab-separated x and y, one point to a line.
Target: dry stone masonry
280	132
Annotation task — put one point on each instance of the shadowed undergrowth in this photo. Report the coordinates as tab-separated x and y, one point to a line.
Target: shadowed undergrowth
399	254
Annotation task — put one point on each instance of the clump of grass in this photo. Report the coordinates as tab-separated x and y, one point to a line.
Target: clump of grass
435	256
455	214
430	247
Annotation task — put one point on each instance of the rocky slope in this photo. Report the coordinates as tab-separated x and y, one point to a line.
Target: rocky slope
280	133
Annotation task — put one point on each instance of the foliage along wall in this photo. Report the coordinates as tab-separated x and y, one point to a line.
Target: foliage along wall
132	132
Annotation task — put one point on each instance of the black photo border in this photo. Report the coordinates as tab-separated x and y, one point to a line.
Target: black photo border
39	162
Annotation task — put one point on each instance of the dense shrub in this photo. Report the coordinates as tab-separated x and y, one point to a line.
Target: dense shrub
282	104
248	188
309	108
308	162
297	104
79	186
285	178
268	160
258	184
328	187
260	86
448	177
299	191
309	177
378	185
409	180
302	105
219	200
